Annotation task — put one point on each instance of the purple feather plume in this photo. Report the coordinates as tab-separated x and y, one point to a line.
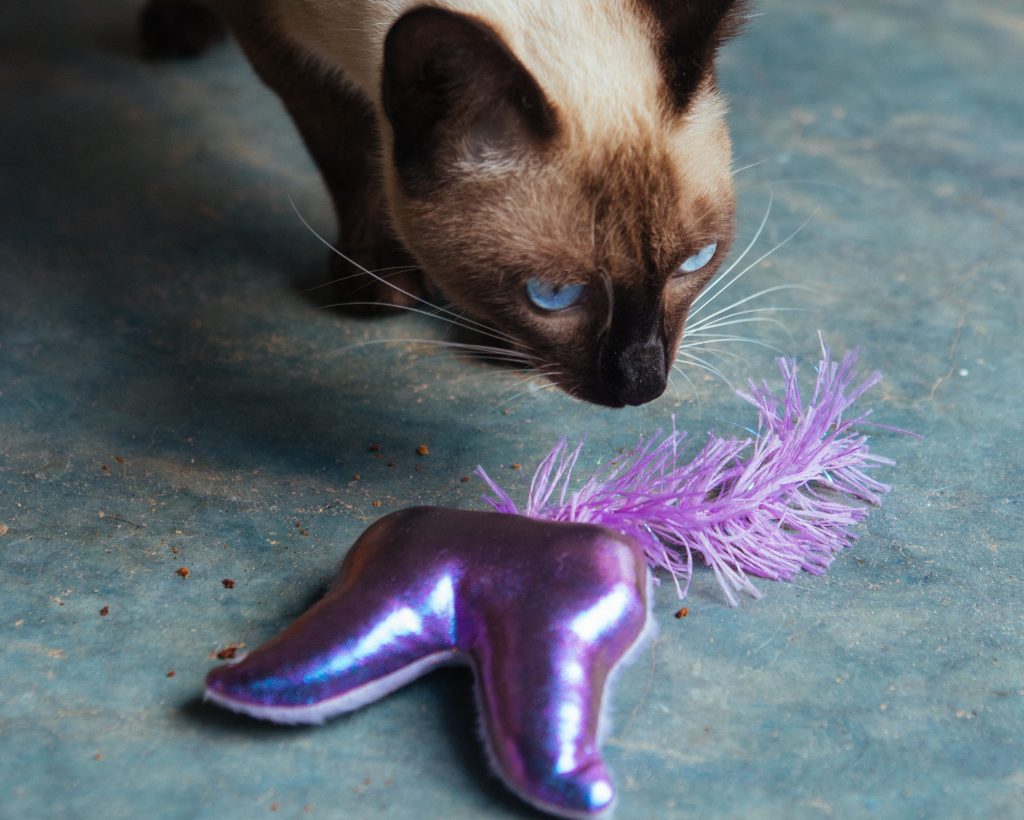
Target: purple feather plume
768	506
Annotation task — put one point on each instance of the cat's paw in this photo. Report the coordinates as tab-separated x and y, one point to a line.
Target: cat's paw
178	28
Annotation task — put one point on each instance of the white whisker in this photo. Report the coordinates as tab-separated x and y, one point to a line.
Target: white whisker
703	364
420	311
748	166
754	264
731	340
482	328
493	351
739	302
731	319
389	271
533	389
716	285
689	381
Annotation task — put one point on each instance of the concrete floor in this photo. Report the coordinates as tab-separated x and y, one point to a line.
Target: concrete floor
168	399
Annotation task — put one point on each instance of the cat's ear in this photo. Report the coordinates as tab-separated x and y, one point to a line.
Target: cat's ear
451	84
690	34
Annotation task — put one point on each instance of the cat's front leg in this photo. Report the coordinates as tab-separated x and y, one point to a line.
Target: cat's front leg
371	270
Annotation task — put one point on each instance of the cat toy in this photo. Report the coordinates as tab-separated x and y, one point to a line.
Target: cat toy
546	602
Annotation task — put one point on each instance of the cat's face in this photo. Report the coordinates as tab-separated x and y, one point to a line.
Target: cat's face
583	238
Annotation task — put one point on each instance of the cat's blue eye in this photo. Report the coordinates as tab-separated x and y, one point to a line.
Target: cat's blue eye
699	259
553	297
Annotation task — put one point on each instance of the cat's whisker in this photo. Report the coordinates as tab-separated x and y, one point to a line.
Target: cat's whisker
730	320
705	303
740	302
453	310
482	328
723	281
507	355
396	268
534	388
706	322
430	314
713	330
379	271
703	364
718	352
693	388
747	167
731	340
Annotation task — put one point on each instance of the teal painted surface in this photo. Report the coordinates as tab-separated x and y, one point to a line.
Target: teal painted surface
168	399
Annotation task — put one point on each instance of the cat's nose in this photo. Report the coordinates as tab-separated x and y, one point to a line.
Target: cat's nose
642	375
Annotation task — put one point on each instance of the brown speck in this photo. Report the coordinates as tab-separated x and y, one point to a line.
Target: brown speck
298	525
464	479
97	756
303	531
506	412
517	466
227	653
171	673
374	448
377	504
682	613
423	450
357	477
275	806
175	550
228	583
4	529
101	514
105	468
182	571
105	611
119	459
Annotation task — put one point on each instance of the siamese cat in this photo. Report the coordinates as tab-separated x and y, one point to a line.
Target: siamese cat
559	169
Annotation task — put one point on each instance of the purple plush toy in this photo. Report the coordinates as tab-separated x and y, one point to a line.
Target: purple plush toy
545	605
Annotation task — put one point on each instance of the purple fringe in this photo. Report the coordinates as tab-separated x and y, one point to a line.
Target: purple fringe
768	506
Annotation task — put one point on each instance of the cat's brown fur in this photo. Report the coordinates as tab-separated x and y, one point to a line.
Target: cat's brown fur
495	141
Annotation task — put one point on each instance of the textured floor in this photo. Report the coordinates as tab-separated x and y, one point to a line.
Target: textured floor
168	399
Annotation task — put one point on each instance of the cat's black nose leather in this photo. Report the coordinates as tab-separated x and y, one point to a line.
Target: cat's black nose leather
641	375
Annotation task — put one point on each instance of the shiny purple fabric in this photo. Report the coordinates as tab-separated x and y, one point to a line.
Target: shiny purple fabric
543	612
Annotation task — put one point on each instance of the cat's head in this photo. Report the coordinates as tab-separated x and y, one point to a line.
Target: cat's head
571	188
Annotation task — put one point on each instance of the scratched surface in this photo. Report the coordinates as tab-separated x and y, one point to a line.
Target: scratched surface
169	399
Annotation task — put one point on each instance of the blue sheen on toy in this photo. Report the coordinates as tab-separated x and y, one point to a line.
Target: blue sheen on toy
542	612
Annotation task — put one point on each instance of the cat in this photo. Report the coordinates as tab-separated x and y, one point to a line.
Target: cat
560	170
